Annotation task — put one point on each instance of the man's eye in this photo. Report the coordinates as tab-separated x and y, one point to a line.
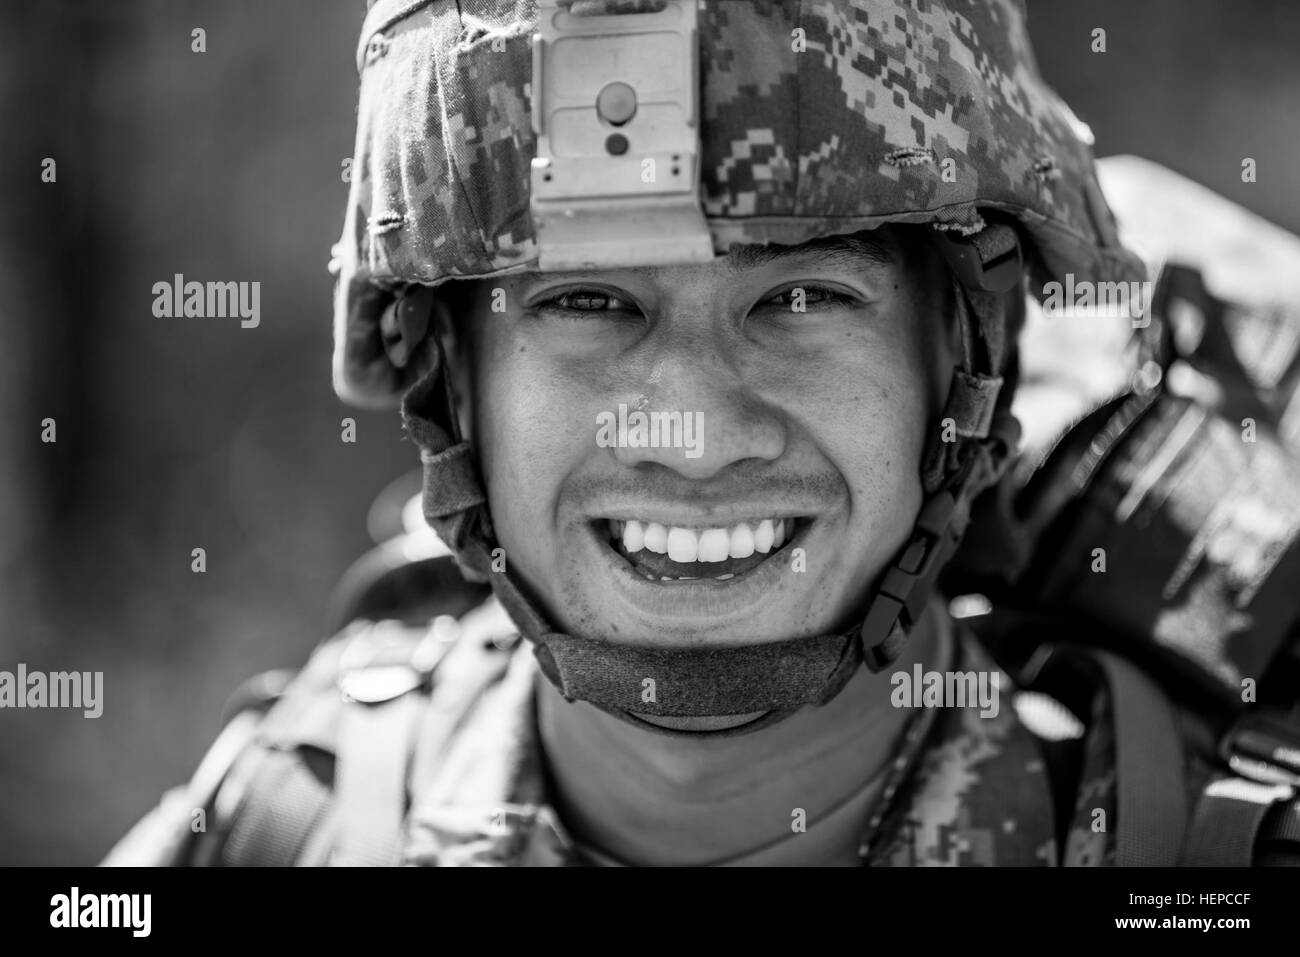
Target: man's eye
799	298
585	300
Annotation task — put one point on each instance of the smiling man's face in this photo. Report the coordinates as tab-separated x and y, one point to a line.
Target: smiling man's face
809	428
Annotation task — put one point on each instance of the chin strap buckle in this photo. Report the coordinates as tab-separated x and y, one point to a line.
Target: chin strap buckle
909	580
990	259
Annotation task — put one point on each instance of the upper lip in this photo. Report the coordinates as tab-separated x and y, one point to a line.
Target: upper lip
700	511
694	518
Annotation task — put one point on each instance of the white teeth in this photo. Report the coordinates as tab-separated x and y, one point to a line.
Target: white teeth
724	578
656	538
714	545
742	541
705	545
683	546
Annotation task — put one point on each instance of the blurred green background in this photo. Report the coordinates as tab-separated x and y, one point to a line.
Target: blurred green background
181	434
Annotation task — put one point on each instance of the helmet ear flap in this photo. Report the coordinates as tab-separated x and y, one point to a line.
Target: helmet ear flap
428	408
377	336
363	376
454	501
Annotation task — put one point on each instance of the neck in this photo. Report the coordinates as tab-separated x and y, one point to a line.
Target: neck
655	799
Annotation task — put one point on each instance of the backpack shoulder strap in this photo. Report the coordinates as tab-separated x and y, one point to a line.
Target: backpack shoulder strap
271	805
1151	801
1150	788
1245	813
383	688
331	776
325	780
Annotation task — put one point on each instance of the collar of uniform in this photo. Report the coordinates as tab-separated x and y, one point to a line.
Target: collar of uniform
980	795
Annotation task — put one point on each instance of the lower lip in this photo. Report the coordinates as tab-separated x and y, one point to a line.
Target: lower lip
702	725
704	600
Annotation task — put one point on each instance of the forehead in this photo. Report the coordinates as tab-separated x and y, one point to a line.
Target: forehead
853	252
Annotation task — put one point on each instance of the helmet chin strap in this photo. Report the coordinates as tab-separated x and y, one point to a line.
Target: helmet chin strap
769	679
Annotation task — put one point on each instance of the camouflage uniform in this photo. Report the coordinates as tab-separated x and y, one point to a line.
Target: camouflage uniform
478	794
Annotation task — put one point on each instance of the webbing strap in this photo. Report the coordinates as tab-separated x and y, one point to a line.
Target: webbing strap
370	780
779	675
319	845
972	400
1227	821
978	400
1151	806
451	482
1284	825
281	807
382	15
986	265
993	242
998	316
521	609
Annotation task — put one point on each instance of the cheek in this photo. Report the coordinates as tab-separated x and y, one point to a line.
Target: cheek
506	430
871	422
528	431
881	430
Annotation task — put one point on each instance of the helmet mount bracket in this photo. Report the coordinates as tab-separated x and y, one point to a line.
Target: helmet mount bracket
615	108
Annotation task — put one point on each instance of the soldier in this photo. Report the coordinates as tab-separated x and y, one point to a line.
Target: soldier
704	317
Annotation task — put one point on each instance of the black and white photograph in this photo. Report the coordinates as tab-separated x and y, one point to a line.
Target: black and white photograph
651	433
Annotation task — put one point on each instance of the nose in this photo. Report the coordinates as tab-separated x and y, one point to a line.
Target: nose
698	414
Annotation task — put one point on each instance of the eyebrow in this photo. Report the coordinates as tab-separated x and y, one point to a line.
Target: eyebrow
847	252
839	252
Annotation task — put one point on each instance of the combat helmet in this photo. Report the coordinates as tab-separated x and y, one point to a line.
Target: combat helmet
499	136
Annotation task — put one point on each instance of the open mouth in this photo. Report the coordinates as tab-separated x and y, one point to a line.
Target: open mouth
661	553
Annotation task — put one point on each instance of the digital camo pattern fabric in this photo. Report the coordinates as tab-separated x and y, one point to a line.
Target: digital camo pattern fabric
980	797
1088	842
818	117
479	792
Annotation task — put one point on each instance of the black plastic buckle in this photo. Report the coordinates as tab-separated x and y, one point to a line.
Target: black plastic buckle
910	579
1263	749
998	274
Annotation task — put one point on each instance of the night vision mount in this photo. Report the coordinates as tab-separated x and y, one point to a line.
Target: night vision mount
615	106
